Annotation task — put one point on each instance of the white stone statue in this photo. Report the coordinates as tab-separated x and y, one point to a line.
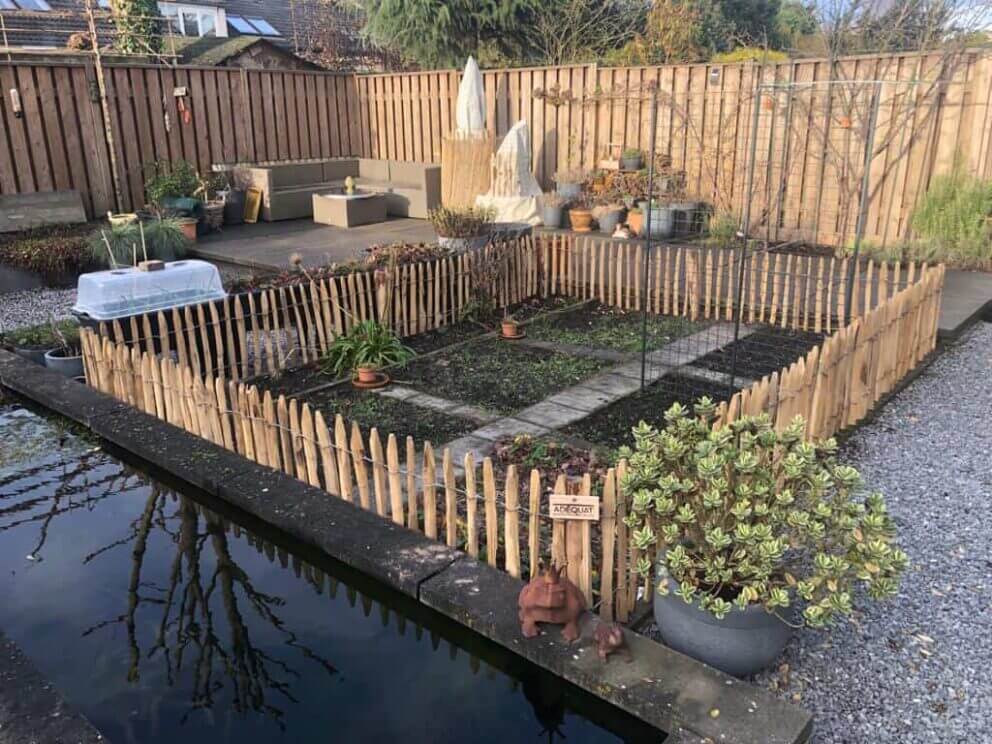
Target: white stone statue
514	190
470	107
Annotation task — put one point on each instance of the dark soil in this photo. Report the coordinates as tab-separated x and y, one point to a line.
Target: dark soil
389	416
290	382
552	456
765	351
603	327
611	426
496	375
424	343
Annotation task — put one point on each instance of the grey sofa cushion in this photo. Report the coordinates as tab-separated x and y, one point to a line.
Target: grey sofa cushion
407	175
374	170
295	174
340	168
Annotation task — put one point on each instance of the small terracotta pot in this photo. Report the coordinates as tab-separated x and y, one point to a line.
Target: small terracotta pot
368	374
188	226
844	122
635	221
581	219
767	103
509	329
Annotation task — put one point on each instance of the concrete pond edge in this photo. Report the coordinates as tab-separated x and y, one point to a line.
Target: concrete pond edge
685	698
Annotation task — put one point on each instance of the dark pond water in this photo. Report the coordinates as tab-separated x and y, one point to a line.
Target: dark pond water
162	621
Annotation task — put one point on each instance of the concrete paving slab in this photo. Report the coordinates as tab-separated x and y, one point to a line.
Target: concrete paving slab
551	414
508	426
967	294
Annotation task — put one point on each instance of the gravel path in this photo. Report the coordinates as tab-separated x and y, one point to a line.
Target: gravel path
34	306
917	668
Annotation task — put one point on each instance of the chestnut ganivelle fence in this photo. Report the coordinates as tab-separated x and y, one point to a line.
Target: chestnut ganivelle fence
195	368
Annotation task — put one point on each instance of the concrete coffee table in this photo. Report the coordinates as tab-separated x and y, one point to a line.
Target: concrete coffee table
349	210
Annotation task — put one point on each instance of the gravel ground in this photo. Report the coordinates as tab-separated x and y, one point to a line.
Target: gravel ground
34	306
916	668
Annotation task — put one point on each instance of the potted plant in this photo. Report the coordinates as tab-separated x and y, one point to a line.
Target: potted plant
31	343
608	216
66	358
755	531
171	188
462	229
162	238
569	182
630	159
662	220
509	327
635	220
212	190
364	351
551	208
580	215
684	213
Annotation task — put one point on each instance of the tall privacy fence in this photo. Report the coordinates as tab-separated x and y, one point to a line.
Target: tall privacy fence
184	376
812	124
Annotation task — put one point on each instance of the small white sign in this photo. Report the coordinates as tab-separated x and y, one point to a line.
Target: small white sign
568	506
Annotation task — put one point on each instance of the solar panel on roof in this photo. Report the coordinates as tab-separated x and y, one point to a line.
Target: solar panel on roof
264	27
240	25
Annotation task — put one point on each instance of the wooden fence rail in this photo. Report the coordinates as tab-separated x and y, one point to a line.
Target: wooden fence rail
810	147
503	520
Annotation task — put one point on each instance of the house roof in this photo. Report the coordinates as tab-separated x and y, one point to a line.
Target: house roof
53	28
210	51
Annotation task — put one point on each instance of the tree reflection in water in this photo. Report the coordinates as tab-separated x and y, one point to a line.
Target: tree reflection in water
212	644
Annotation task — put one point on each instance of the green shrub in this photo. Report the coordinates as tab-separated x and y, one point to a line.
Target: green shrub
170	180
748	54
722	229
43	335
953	222
747	515
461	222
367	344
164	240
54	251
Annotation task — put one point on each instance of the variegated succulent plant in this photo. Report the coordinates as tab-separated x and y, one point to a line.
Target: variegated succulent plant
745	514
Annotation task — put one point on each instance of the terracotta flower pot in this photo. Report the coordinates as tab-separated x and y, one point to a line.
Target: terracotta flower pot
581	219
844	122
509	329
635	221
188	226
368	374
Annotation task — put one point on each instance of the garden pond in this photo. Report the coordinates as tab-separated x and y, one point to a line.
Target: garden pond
161	615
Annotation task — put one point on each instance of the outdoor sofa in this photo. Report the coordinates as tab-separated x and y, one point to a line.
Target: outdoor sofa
411	189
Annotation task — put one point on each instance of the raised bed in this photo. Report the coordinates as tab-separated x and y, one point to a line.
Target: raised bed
762	352
497	375
600	326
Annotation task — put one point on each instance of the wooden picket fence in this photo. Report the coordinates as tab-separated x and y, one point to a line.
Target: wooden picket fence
838	382
505	523
268	330
791	291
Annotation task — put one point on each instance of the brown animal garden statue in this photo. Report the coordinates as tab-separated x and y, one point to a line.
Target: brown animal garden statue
609	638
551	598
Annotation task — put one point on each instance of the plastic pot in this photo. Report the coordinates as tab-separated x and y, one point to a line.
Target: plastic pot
188	226
685	216
68	366
608	221
580	219
33	353
463	245
551	216
740	644
509	329
662	222
630	164
570	190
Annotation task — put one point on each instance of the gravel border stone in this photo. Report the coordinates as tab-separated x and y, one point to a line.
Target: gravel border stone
916	668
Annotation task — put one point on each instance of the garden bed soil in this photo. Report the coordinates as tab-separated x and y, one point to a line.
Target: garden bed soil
389	416
604	327
552	456
424	343
496	375
292	381
765	351
611	426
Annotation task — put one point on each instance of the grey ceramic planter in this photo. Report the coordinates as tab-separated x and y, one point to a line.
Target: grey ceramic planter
570	190
69	366
609	220
32	354
551	216
630	164
740	644
662	222
463	245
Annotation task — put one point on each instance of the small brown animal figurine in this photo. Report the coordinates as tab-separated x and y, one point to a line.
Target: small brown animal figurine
609	638
551	598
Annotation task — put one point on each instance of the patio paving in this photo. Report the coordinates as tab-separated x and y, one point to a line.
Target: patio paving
268	245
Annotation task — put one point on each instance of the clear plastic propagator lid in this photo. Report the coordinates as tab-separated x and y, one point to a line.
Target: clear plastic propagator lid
119	293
